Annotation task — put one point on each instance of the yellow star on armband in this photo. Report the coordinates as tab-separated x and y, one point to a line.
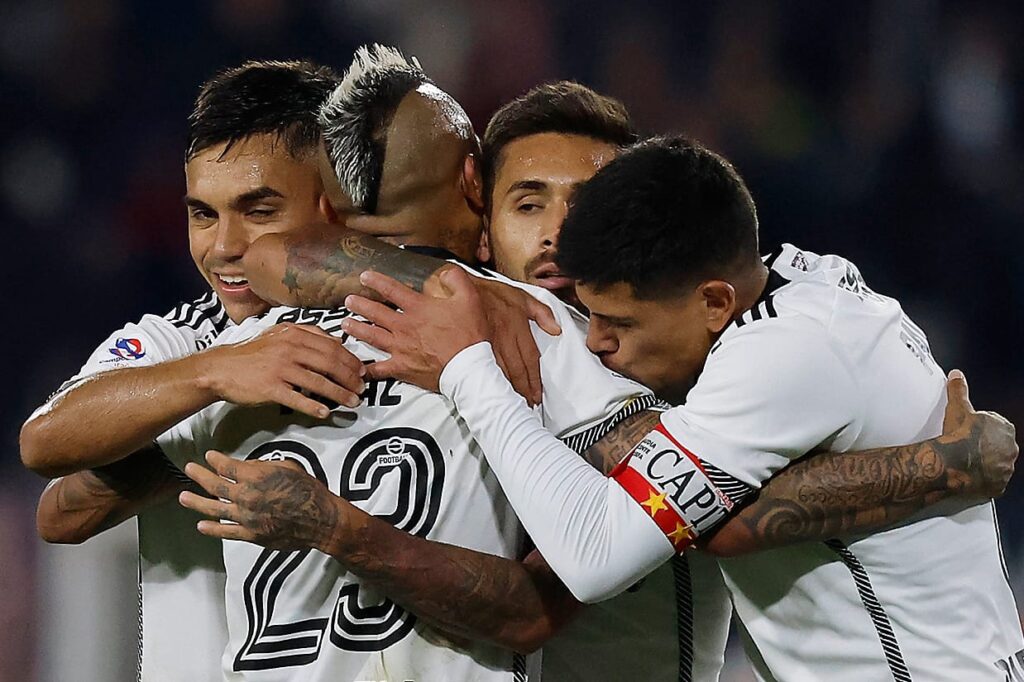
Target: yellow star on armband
655	503
680	534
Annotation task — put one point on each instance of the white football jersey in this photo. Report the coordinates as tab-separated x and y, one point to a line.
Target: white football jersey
402	455
821	362
182	626
672	626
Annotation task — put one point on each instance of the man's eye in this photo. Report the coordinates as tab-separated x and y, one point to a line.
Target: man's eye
528	208
202	214
262	212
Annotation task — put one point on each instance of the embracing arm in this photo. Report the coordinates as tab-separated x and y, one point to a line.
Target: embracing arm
834	494
77	507
318	265
517	605
126	409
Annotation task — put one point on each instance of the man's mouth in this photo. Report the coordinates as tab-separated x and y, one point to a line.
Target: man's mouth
549	277
232	283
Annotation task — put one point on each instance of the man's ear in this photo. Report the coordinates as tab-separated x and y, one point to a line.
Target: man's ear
471	184
326	210
719	303
483	249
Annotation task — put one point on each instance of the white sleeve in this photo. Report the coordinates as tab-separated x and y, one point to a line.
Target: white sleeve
772	392
591	532
147	342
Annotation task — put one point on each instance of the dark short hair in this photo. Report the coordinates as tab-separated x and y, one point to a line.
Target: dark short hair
355	118
563	107
663	215
261	97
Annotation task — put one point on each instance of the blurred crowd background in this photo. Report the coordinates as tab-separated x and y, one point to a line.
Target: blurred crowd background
890	132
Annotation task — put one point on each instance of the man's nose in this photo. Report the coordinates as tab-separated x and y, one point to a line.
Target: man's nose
551	225
232	239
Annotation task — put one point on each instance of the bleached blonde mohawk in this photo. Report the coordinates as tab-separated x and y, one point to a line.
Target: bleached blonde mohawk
355	114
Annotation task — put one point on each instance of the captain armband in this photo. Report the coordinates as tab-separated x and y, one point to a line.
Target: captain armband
674	487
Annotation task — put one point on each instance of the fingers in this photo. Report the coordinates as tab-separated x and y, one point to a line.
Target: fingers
530	355
331	348
375	312
377	337
215	509
294	400
225	531
224	466
393	290
957	390
542	315
321	386
209	481
384	369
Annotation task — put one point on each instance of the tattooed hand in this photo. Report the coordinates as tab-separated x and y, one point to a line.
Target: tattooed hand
980	448
433	327
274	504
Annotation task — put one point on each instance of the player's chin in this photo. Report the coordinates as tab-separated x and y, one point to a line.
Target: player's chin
242	310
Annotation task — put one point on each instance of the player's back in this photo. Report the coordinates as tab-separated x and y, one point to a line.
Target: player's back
401	455
927	599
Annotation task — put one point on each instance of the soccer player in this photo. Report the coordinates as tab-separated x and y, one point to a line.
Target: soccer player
424	593
250	169
791	354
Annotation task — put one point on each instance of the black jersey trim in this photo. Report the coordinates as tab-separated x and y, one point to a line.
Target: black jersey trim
880	619
684	615
138	663
580	442
519	668
207	307
736	490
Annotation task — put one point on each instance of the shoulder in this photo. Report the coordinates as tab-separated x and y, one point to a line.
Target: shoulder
201	320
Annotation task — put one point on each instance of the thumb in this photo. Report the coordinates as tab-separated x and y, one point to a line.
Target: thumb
456	282
958	401
542	315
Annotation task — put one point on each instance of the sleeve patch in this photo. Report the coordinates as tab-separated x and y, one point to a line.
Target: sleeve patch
669	482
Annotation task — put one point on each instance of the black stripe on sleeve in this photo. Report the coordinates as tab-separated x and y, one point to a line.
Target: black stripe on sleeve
583	440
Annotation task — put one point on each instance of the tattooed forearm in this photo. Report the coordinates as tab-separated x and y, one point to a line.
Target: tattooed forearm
321	273
606	453
285	508
76	507
843	493
517	605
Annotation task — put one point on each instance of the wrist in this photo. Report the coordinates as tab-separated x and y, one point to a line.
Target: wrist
203	376
337	540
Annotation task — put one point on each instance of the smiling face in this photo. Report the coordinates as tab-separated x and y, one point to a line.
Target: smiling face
255	188
535	180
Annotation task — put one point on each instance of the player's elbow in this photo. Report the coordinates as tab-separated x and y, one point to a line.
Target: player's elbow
52	525
35	447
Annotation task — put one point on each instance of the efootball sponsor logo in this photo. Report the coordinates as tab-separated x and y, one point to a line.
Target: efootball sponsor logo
128	349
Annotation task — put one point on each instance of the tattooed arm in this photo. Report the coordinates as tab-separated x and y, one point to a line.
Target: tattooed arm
79	506
319	265
845	493
518	605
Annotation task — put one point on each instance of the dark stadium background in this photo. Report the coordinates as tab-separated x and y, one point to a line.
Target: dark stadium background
889	132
